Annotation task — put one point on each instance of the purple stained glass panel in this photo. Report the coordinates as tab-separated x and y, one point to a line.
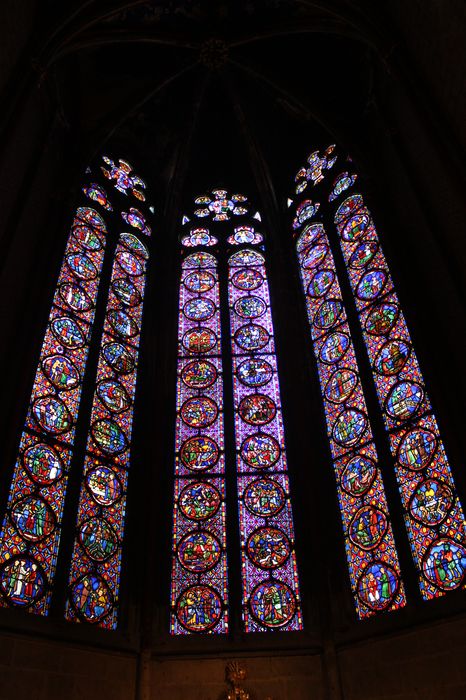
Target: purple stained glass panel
271	598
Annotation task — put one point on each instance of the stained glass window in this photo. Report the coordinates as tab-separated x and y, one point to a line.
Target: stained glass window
269	574
370	548
123	178
31	529
271	598
96	562
199	592
433	514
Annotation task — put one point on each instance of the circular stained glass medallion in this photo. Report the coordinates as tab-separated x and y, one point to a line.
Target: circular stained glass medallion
199	500
199	608
417	449
444	563
87	238
199	281
251	337
314	256
378	585
129	263
364	253
328	313
104	485
250	307
199	411
268	547
122	323
126	292
133	244
199	340
113	395
257	409
260	451
310	233
52	415
368	527
254	372
392	357
67	332
349	427
272	603
22	580
371	285
109	436
334	347
404	400
244	235
98	538
264	497
358	475
431	502
199	453
75	297
33	518
199	551
341	385
247	279
119	358
60	372
43	464
199	309
356	228
199	374
91	597
320	283
381	319
81	265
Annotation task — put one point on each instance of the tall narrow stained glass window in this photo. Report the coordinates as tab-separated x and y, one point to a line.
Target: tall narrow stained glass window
269	576
433	514
31	529
370	548
199	596
94	579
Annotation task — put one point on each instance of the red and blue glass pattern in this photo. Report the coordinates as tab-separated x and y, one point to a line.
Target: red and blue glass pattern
315	169
123	178
341	184
433	514
96	561
98	195
199	592
370	547
31	529
271	599
137	220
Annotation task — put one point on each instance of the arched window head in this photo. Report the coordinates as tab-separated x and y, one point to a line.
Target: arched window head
203	462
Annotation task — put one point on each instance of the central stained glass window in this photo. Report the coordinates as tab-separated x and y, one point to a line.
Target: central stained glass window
270	587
